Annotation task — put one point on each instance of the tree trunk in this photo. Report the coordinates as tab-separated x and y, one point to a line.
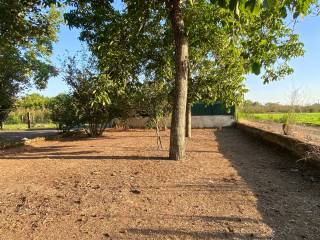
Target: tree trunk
178	121
1	125
188	111
188	121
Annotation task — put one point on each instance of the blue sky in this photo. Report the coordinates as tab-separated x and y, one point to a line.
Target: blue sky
306	76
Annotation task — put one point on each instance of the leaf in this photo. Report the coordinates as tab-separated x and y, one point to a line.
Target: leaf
296	14
283	12
223	3
253	6
233	4
269	3
256	68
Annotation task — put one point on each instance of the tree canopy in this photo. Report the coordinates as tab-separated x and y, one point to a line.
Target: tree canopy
200	49
27	30
208	45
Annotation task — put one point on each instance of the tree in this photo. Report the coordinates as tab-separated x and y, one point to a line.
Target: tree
27	30
124	38
33	101
6	104
93	93
154	102
63	112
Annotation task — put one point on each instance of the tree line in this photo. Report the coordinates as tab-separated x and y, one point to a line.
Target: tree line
256	107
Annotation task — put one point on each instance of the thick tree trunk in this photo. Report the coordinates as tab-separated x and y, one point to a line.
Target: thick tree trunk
178	121
188	121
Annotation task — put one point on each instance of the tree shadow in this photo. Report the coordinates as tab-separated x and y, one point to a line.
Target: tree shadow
67	152
288	202
186	234
79	156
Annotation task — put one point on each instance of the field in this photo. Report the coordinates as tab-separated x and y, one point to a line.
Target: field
120	186
21	126
301	118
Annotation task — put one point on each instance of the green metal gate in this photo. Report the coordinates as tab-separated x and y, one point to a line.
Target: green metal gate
218	108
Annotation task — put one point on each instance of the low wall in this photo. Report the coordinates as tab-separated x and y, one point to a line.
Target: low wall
297	147
215	121
196	121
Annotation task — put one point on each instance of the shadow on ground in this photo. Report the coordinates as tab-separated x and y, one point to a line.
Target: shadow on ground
288	202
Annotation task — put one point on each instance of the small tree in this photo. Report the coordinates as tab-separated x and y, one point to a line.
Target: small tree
92	94
63	112
295	101
155	103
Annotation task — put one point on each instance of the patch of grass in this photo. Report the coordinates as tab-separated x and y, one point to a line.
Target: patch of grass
301	118
25	126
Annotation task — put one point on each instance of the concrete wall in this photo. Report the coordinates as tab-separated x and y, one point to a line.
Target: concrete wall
215	121
197	121
293	145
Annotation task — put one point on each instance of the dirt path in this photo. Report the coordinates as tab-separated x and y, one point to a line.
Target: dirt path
121	187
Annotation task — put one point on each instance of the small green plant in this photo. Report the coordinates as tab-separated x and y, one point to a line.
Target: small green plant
287	120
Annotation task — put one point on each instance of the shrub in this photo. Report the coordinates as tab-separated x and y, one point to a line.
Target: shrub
63	112
13	119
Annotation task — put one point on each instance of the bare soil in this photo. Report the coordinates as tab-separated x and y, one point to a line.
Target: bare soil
310	134
121	187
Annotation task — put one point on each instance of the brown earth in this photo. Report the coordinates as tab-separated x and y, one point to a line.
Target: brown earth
121	187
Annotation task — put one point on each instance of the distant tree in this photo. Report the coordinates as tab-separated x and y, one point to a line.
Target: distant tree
33	101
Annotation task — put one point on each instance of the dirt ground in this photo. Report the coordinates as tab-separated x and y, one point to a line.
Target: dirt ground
305	133
121	187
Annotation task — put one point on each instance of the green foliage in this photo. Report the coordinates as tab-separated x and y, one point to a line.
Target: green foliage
63	113
6	103
33	101
226	38
154	101
35	104
13	119
256	107
27	30
137	41
92	94
301	118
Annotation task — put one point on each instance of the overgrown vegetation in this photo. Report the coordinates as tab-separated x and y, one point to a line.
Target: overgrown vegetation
38	108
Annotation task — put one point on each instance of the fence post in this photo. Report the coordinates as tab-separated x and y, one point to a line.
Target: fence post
29	123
